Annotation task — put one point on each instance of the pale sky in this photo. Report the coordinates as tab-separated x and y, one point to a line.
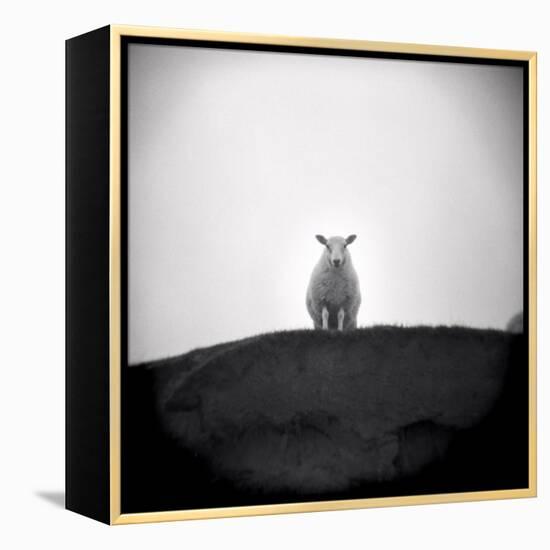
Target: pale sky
237	159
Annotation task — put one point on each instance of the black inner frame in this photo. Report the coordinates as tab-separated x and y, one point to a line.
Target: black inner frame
129	502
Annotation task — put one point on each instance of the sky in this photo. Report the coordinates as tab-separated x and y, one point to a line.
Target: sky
237	159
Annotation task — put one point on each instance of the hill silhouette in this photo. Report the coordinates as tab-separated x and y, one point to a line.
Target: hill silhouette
326	414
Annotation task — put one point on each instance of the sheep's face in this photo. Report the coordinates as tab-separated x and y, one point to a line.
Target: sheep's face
336	249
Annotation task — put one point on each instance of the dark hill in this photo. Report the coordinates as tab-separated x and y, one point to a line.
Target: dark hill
316	414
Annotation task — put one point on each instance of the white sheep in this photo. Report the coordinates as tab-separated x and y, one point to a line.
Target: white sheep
333	296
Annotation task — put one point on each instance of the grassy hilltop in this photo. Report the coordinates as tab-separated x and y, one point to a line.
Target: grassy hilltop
319	414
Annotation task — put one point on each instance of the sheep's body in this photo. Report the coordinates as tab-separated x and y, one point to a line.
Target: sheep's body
333	295
515	324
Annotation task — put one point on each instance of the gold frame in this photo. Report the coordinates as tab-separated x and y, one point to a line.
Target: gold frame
116	33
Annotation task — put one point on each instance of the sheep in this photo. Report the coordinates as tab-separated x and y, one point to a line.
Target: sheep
333	296
515	324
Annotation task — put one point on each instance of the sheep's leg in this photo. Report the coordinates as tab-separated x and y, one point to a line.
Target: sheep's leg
324	315
341	315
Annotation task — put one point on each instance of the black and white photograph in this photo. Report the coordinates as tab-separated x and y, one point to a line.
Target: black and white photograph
273	275
325	275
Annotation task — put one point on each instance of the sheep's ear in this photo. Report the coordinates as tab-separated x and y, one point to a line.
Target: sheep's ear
321	239
350	239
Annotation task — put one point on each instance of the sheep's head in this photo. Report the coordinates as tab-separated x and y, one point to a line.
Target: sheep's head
336	249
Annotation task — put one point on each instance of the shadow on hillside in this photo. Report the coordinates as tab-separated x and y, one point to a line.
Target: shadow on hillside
315	415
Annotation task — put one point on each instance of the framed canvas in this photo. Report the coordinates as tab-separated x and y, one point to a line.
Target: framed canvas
301	274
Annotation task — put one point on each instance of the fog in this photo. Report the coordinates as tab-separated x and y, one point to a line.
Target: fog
237	159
